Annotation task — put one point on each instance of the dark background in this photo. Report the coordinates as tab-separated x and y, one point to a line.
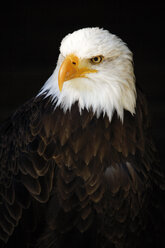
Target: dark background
31	35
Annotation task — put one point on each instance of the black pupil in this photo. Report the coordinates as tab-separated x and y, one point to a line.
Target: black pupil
96	59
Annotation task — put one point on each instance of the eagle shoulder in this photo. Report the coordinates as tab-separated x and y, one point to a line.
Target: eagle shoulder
26	165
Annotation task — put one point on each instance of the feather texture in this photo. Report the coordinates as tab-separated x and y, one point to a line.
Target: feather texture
84	176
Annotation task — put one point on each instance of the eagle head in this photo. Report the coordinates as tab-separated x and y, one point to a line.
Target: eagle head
95	70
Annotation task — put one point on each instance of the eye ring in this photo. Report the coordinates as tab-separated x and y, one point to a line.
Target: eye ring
96	59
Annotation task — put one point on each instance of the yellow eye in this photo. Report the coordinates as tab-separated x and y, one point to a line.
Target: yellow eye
96	60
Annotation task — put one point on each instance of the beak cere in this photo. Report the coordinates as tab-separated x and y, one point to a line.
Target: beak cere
71	68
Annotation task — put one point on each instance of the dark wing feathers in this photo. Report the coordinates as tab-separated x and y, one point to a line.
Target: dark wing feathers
96	172
26	169
124	211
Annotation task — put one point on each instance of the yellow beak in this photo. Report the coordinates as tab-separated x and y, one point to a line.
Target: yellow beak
71	68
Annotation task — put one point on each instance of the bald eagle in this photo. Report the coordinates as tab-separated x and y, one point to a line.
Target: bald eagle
78	167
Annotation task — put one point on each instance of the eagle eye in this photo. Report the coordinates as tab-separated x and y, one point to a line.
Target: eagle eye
96	60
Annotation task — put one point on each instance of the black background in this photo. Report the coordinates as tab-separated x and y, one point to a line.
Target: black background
31	33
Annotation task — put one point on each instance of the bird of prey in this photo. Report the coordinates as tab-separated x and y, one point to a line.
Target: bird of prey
78	167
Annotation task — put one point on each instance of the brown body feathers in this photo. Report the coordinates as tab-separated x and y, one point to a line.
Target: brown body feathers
72	180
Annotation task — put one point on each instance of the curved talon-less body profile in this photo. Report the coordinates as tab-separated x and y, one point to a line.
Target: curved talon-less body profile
77	163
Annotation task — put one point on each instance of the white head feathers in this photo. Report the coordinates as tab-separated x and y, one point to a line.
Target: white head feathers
111	88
